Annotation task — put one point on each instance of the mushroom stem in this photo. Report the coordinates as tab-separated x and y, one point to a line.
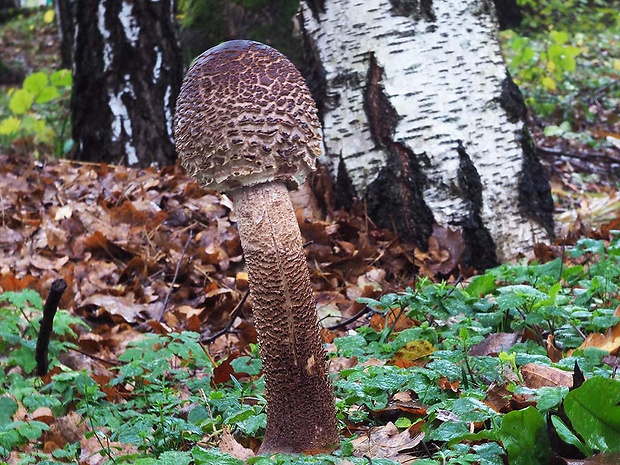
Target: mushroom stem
300	402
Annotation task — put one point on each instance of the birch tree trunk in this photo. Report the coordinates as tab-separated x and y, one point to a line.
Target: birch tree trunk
423	122
127	72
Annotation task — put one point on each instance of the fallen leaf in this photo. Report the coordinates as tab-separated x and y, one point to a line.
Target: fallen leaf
230	445
43	414
386	442
494	343
412	353
117	306
537	376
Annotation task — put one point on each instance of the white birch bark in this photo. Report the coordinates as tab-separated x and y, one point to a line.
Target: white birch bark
442	74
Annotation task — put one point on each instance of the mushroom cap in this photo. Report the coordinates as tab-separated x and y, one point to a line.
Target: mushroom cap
245	116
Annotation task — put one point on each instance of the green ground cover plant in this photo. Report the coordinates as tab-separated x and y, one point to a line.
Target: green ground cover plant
39	110
565	59
167	401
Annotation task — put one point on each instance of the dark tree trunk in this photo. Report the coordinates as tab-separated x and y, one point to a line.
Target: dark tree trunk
65	16
509	14
127	72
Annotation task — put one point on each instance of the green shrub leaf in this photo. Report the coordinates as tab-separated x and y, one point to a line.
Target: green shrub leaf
21	101
524	438
9	126
594	411
61	78
568	437
213	457
36	82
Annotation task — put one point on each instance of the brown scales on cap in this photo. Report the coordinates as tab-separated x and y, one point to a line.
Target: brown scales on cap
244	116
246	124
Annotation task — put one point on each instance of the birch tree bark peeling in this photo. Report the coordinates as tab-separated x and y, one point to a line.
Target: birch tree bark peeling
423	121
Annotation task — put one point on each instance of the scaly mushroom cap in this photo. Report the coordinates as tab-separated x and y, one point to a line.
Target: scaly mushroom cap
245	116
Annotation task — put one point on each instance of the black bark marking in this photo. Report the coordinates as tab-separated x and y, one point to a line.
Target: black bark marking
316	6
480	249
511	100
417	9
395	199
314	72
535	199
345	191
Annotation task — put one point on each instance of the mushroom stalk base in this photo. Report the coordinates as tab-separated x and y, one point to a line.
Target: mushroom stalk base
301	417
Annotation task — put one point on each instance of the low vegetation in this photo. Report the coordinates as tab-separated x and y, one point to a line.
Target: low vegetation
452	374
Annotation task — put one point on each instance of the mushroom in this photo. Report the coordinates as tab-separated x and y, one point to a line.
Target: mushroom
246	124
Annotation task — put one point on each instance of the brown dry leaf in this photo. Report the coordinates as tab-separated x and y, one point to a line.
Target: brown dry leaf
608	458
494	343
446	385
380	321
117	306
537	376
337	364
386	442
498	398
610	341
67	429
554	354
229	445
43	414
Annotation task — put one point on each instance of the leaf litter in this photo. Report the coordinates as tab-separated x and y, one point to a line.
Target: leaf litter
148	251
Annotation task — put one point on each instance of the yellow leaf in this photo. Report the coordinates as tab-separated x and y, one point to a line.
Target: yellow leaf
48	17
548	83
412	353
616	65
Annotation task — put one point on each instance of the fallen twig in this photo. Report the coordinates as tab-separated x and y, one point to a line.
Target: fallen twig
588	156
233	316
47	325
174	278
357	316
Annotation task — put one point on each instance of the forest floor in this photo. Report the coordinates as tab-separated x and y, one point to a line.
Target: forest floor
148	251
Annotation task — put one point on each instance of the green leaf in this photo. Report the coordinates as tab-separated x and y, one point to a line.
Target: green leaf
558	37
594	411
403	422
8	407
568	437
174	458
33	429
481	285
9	126
47	93
524	437
198	414
213	457
36	82
21	101
21	299
245	364
61	78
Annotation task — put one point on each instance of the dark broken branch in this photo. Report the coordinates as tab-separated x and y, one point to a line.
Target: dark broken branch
47	325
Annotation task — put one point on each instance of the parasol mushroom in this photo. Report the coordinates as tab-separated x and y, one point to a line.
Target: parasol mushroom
246	125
